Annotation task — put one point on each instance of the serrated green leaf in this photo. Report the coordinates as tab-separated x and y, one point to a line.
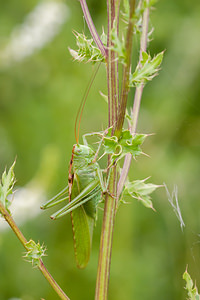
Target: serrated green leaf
140	190
147	69
119	147
6	186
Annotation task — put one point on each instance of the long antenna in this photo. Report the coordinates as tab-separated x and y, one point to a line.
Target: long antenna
82	104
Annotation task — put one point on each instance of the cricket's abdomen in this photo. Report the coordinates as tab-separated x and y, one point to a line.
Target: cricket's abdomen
83	218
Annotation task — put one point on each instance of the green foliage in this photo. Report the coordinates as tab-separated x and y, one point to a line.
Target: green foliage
140	190
126	143
191	289
6	186
87	50
34	253
146	69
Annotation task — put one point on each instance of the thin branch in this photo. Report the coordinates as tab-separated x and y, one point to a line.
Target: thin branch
23	241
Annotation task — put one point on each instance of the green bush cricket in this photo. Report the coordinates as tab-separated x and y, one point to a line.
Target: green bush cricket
84	192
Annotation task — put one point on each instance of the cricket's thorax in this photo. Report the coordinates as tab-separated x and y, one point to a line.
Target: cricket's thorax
82	166
83	157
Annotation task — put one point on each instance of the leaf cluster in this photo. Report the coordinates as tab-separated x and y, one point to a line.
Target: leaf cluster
140	190
87	50
147	67
34	253
126	143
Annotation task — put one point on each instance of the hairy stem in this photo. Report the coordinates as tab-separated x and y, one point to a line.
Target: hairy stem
136	103
23	240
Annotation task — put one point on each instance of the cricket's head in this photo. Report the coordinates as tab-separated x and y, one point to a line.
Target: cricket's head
82	155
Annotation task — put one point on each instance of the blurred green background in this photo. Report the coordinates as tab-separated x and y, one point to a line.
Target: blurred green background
40	91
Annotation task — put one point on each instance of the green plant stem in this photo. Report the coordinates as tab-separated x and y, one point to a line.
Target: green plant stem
136	104
103	272
23	241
